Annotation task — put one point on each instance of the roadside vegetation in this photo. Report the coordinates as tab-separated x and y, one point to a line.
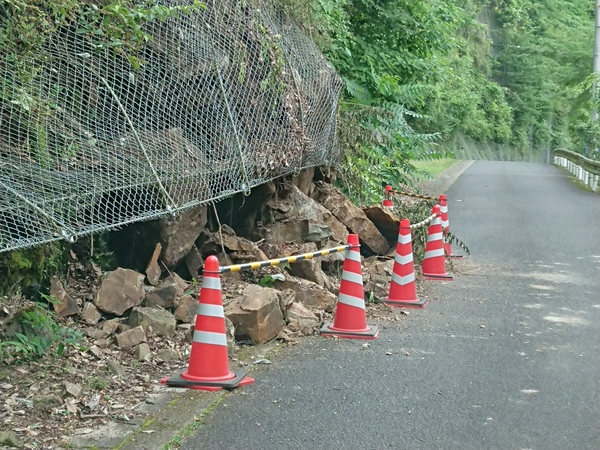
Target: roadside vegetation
506	80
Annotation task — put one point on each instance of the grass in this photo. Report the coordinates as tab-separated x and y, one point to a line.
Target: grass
436	166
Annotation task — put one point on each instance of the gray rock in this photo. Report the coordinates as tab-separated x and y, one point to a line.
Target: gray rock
194	262
90	314
110	326
309	269
352	217
385	221
301	319
256	315
168	355
72	389
377	273
115	367
120	290
64	304
143	352
153	270
163	296
131	338
304	180
178	234
311	295
186	310
47	400
161	321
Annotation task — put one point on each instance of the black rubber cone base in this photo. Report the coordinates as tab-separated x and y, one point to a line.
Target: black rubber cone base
406	303
177	381
370	334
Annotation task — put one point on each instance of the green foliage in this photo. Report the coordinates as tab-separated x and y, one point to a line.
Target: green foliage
109	24
266	281
545	51
416	73
40	333
29	269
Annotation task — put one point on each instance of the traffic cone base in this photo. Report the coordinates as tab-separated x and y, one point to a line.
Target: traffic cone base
237	380
438	277
328	330
406	303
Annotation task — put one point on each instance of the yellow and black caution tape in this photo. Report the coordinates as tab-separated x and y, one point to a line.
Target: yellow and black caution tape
408	194
424	222
278	261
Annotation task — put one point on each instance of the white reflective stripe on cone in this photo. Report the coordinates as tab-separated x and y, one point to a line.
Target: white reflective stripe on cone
211	283
444	209
404	238
403	280
434	237
207	337
351	301
445	223
353	277
403	259
210	310
353	255
436	221
434	253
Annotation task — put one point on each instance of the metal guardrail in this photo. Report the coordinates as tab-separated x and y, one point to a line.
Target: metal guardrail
587	170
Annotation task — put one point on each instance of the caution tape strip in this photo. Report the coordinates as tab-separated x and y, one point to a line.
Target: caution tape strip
289	259
408	194
424	222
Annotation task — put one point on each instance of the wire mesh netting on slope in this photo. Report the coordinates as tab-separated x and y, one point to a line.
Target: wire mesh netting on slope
226	99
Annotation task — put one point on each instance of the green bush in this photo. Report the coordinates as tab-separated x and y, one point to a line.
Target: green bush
38	331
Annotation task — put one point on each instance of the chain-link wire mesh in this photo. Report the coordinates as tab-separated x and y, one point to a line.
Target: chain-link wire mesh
226	99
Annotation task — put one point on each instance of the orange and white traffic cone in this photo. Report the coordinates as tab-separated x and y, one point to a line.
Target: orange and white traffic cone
208	369
403	291
433	266
350	319
443	202
387	201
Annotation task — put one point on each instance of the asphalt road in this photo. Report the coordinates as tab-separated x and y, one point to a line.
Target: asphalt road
505	357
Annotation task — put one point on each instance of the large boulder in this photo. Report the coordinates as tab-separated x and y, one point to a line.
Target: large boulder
309	294
178	234
187	309
317	214
299	218
352	217
160	321
120	290
64	304
309	269
385	221
302	319
256	315
167	294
